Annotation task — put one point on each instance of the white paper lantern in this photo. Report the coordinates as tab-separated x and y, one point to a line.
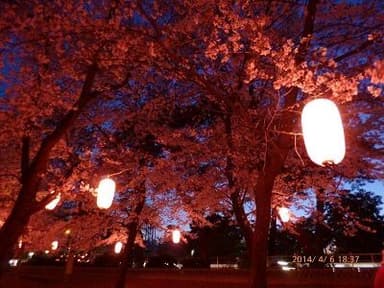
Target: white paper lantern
54	245
176	235
323	132
52	205
118	247
105	193
283	214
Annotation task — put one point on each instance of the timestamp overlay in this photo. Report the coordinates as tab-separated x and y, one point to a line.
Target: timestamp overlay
302	259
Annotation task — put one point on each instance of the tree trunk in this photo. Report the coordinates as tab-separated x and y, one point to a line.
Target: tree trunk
13	228
274	162
127	255
32	172
263	198
19	217
132	228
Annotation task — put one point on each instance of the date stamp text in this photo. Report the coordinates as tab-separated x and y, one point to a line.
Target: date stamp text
302	259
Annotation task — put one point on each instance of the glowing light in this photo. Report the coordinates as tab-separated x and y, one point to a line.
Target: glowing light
67	232
52	205
176	236
286	268
284	214
54	245
20	244
13	262
118	247
105	193
282	263
323	132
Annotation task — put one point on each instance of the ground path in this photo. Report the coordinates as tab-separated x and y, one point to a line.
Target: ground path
53	277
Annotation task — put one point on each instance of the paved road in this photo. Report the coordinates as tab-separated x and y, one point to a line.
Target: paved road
53	277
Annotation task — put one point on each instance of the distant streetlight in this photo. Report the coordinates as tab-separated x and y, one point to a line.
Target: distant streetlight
105	193
52	205
54	245
176	236
118	247
323	132
284	214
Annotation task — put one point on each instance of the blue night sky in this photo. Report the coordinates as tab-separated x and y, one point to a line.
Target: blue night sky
378	188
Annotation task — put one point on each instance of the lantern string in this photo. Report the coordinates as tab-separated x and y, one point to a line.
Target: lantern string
297	152
118	173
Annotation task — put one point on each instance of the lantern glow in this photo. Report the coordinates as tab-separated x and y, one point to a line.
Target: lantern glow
283	214
176	235
54	245
52	205
118	247
323	132
105	193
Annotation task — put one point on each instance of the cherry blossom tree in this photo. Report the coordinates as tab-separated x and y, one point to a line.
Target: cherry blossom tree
54	67
249	67
259	67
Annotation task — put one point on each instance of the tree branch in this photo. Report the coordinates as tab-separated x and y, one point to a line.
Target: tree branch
40	161
358	49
